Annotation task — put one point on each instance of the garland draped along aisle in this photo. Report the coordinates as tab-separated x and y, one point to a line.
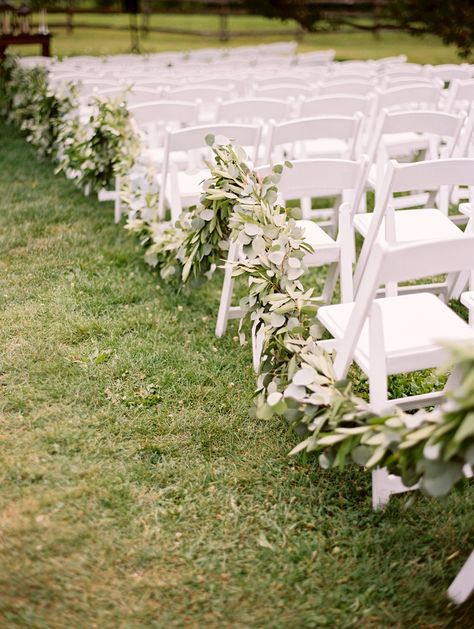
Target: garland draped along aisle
296	378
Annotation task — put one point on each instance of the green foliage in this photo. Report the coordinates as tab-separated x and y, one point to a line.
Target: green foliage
35	107
95	151
451	20
304	12
191	249
430	447
91	152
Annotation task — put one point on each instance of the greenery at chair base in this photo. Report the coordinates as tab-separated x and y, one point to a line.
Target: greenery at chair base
91	152
95	151
296	379
30	103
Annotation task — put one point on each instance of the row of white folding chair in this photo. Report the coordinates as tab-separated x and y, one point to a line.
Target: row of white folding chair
311	135
322	137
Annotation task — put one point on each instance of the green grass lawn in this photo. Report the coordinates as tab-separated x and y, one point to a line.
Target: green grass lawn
358	45
136	491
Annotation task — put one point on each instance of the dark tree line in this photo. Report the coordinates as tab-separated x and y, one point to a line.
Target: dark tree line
451	20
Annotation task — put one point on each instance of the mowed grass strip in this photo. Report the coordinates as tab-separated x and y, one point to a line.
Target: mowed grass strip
136	491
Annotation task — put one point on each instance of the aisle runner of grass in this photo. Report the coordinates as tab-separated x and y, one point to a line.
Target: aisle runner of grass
135	491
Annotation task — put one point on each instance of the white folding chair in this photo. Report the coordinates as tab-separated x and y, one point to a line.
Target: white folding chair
412	225
207	95
253	110
460	96
346	87
182	188
309	178
283	92
335	105
399	334
434	132
323	136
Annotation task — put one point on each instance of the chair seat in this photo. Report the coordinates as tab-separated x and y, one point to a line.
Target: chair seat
325	148
467	299
189	186
156	155
400	143
413	225
326	249
413	327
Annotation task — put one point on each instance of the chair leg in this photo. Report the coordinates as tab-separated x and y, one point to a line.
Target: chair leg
384	485
117	201
330	283
227	291
463	585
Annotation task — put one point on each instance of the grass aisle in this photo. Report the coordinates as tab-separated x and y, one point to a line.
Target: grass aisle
135	491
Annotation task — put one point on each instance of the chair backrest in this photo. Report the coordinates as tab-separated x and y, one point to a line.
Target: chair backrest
151	118
302	130
447	72
391	82
384	62
315	58
400	263
437	124
361	69
407	68
416	96
460	95
135	96
253	110
318	177
194	139
354	88
429	176
281	79
161	112
337	105
282	91
205	93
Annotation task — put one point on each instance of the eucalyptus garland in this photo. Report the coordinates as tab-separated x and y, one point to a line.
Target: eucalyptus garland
91	152
94	152
190	250
35	107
